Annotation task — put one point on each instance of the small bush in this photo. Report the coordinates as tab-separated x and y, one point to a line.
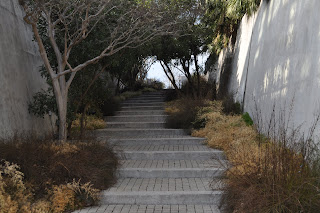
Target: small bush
129	94
148	89
91	122
156	85
13	193
110	106
48	166
69	196
229	106
17	195
206	90
247	119
183	112
201	120
171	95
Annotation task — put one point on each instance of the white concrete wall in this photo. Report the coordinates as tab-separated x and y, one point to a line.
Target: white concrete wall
19	76
283	60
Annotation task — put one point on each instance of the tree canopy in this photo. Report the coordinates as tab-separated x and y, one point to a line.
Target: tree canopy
61	27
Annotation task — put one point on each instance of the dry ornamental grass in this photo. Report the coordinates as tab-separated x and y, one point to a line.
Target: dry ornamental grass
53	177
279	173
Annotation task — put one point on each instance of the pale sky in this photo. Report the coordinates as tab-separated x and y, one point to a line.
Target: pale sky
156	72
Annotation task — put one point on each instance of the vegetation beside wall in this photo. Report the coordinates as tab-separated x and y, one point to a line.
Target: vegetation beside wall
278	171
275	173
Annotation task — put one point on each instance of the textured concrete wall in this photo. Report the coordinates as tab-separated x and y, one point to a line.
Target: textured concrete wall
19	76
282	61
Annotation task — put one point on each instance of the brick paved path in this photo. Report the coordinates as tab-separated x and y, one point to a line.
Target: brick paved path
163	170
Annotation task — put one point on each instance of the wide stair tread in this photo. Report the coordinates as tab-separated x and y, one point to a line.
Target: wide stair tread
173	164
136	125
165	148
172	168
163	191
152	209
141	113
182	140
133	132
136	118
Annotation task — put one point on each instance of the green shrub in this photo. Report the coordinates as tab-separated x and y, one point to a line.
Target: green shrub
201	120
229	106
247	119
110	106
171	95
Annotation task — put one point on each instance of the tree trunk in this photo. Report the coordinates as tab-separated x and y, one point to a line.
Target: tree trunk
198	75
82	119
62	100
118	85
171	77
186	70
62	123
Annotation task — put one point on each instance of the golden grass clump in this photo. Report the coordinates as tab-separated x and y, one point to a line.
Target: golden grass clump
16	197
13	193
67	196
231	134
63	198
91	122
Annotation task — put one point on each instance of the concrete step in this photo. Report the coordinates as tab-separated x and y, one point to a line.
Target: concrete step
144	100
168	148
166	184
158	191
171	172
174	164
143	104
172	155
136	125
140	132
137	118
151	209
147	97
162	198
143	108
187	140
148	112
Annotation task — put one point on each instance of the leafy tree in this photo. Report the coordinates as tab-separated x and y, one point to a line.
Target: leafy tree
222	19
182	51
119	24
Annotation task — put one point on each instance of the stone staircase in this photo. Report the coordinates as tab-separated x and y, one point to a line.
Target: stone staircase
162	170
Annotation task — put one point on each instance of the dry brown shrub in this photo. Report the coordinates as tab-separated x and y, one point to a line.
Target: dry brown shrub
183	112
47	167
63	198
91	122
14	196
41	206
